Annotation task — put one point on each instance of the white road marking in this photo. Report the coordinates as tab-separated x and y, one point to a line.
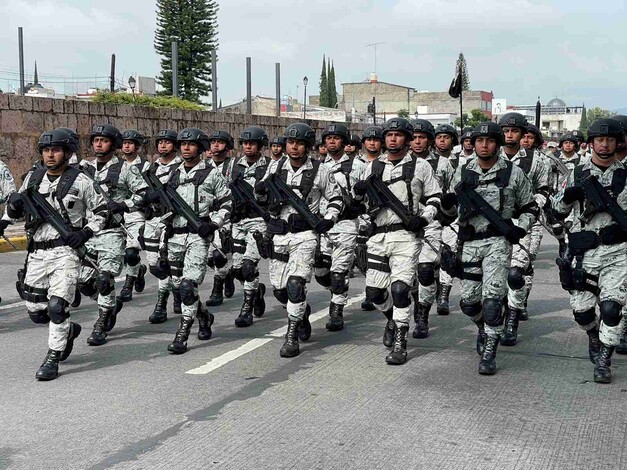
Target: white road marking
256	343
14	304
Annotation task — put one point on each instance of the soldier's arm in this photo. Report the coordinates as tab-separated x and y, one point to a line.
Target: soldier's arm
330	190
22	189
7	184
431	192
525	201
136	185
542	184
222	197
560	208
96	207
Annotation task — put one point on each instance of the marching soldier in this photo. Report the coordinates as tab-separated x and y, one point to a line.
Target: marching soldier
489	190
595	271
7	187
466	141
53	264
395	243
294	239
122	186
132	140
277	148
321	148
352	147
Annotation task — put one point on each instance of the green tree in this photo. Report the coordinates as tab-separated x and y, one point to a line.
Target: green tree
193	23
596	113
403	113
476	116
583	124
461	65
324	85
332	91
36	77
107	97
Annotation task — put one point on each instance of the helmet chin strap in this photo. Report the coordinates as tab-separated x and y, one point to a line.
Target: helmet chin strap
103	154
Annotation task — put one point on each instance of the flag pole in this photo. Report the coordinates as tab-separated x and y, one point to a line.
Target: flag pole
461	113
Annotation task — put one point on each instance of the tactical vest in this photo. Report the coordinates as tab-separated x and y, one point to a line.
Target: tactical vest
619	178
454	162
345	168
409	169
306	180
525	163
66	180
113	174
500	180
198	179
225	166
259	170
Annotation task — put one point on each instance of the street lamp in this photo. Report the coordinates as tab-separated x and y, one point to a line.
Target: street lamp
416	114
131	83
305	81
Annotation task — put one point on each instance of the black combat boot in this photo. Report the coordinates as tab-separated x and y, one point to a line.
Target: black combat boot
176	301
75	331
594	344
481	336
140	282
291	347
229	285
245	317
216	298
77	299
421	317
126	294
367	306
443	299
398	355
390	330
98	336
113	318
49	370
205	320
259	307
179	345
510	335
602	371
160	313
487	366
304	330
336	317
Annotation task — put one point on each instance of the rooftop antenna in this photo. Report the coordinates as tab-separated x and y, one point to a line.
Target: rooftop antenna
375	44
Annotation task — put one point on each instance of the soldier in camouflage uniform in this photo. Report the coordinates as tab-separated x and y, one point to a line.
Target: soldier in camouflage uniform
132	140
7	187
596	270
321	148
293	240
394	247
277	148
53	265
485	250
352	147
124	188
467	149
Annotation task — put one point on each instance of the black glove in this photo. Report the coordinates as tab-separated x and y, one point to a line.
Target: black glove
78	238
117	207
323	226
206	229
417	223
448	201
360	188
15	205
261	188
3	225
515	234
574	193
151	196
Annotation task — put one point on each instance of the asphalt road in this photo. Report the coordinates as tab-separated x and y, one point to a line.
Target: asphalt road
232	402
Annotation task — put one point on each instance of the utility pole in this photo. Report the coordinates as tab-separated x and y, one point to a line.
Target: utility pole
249	100
175	68
214	80
112	76
277	73
20	42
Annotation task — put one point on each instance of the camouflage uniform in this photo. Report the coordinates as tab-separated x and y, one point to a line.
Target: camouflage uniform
7	183
134	221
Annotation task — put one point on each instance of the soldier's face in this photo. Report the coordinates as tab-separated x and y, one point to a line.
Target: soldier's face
102	145
128	147
165	147
372	145
420	143
276	149
217	147
443	142
189	149
528	140
394	140
467	144
485	146
53	156
350	148
296	148
333	143
568	146
322	149
512	135
250	148
604	146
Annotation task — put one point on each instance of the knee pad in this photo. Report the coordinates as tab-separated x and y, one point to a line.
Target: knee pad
218	259
161	270
249	270
57	309
400	294
515	278
131	256
40	317
338	283
237	274
324	280
470	309
426	274
611	312
585	318
280	295
376	295
104	283
189	293
296	289
87	288
493	312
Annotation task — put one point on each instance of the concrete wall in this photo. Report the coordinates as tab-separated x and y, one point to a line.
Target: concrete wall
23	119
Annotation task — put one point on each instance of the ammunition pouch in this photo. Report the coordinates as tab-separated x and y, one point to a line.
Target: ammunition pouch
451	263
361	257
566	274
612	235
580	242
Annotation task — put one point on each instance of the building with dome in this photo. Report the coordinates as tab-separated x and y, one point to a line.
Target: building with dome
556	116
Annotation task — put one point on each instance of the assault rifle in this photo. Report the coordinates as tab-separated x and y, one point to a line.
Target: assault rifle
600	201
243	196
281	193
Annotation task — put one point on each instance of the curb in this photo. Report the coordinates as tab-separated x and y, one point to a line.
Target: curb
19	242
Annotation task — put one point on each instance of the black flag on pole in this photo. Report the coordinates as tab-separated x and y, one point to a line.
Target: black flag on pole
538	112
455	90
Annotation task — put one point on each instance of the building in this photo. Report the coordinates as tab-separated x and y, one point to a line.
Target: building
556	116
290	107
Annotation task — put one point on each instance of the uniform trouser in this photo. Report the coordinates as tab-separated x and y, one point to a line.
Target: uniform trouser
107	251
520	259
222	272
152	235
245	247
56	270
430	254
449	237
537	232
300	247
133	225
340	247
609	263
187	255
393	257
493	256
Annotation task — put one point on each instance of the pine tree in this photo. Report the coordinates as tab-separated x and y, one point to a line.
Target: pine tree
193	23
324	91
36	77
461	65
583	124
332	90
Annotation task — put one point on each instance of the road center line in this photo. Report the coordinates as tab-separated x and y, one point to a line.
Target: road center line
256	343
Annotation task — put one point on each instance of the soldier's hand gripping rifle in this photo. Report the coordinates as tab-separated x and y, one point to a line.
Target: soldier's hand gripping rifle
281	193
599	200
243	197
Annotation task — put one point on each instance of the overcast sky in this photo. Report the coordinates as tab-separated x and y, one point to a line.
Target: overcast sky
519	49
